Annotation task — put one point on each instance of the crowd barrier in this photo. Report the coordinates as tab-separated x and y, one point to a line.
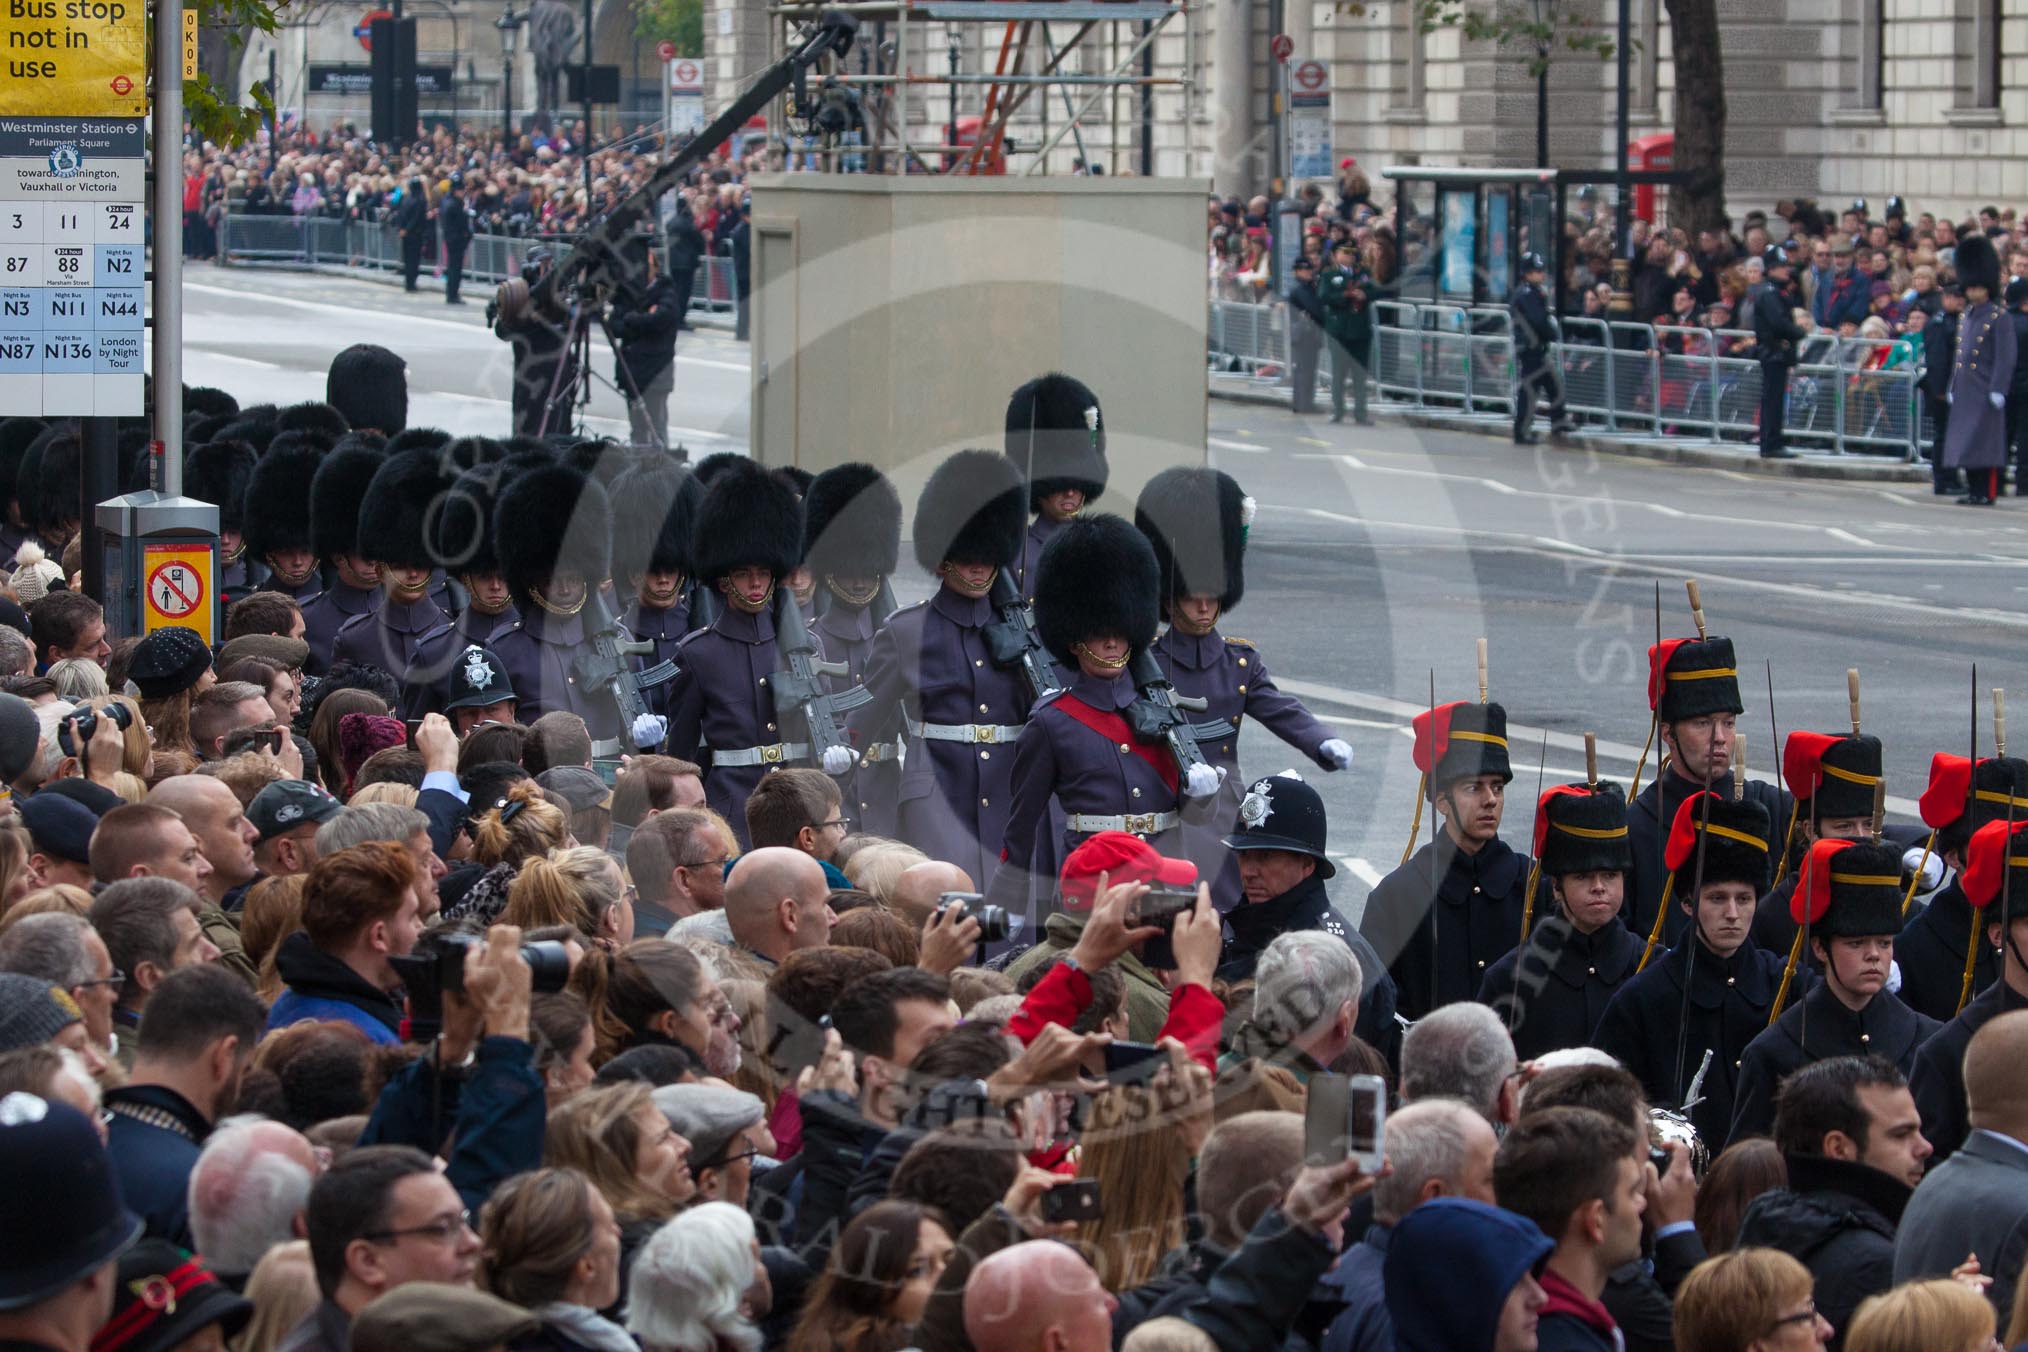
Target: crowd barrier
1679	384
375	248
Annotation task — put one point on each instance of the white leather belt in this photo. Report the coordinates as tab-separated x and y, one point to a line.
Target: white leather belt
982	734
777	753
1134	823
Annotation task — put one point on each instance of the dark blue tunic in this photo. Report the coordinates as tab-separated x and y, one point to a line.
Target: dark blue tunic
539	650
1477	920
1818	1026
720	701
1931	951
386	636
1553	990
327	614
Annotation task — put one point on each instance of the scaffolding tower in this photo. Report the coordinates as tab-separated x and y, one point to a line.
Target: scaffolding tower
879	85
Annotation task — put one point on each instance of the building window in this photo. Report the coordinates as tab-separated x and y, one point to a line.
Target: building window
1976	53
1407	70
1647	58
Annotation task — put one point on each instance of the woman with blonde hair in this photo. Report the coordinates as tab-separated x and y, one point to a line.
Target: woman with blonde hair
56	899
14	880
521	824
1749	1300
878	869
79	679
283	1289
581	887
548	1242
1943	1315
615	1136
272	911
384	791
1141	1164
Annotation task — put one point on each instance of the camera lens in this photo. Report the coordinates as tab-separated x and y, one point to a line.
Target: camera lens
548	965
992	924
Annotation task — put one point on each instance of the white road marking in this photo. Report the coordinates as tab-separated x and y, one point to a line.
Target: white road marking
1225	444
1361	870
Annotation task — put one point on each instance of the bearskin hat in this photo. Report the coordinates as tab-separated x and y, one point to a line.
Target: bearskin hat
526	520
748	518
418	439
336	495
1097	578
315	417
1177	511
718	462
974	509
655	503
219	473
369	385
851	523
51	486
1977	264
202	401
278	494
16	436
1057	437
467	452
795	478
406	492
460	535
256	426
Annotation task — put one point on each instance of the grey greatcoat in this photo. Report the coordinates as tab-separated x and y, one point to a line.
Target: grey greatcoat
1976	437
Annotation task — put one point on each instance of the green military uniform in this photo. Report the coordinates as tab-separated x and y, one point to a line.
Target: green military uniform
1348	323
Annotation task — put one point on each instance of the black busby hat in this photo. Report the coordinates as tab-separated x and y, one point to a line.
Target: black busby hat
312	416
255	426
974	509
16	436
219	473
1690	677
1848	890
655	503
1097	578
401	501
1460	741
1835	775
1056	436
711	466
418	439
335	498
748	518
369	385
1177	511
1977	264
52	482
1282	812
552	519
1582	828
851	523
1734	845
278	494
478	678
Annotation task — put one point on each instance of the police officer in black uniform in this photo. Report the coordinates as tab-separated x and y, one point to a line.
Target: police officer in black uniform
1307	318
480	690
1535	374
412	220
1775	335
455	220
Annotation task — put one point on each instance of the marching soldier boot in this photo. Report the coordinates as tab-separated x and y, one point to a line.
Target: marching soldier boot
1976	439
851	545
1554	987
1712	991
1535	373
1693	689
219	473
722	711
1995	883
335	497
1203	578
933	677
1832	780
655	503
392	517
1849	893
554	529
461	542
480	691
1931	949
1346	288
1056	437
278	514
1095	605
1445	916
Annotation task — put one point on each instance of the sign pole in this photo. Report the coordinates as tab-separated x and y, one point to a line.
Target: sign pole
168	283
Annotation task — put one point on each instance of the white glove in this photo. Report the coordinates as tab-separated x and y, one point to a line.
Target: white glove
838	759
649	730
1932	869
1999	399
1338	751
1203	781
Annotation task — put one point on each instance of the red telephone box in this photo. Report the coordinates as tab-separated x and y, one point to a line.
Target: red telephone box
1650	152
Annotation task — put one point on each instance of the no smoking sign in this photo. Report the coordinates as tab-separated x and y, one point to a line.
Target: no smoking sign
178	589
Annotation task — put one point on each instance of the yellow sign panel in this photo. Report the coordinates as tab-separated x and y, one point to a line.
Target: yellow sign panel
74	58
189	44
176	589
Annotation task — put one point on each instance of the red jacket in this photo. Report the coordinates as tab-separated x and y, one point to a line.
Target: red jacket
1195	1014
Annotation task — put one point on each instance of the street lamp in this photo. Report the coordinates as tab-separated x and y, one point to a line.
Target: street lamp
509	23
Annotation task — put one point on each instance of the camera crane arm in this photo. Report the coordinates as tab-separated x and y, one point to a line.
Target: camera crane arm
600	245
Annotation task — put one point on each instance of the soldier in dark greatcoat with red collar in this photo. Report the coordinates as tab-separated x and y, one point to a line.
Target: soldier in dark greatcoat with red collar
1941	941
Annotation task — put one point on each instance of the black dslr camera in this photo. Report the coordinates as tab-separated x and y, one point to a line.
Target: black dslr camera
87	723
993	927
438	965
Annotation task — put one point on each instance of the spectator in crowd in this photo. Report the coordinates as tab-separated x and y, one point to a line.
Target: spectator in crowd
67	951
285	817
1461	1051
616	1136
359	910
224	835
34	1013
1922	1315
60	836
249	1189
677	858
698	1285
727	1131
776	901
1461	1273
659	994
551	1246
222	710
69	624
1743	1171
1748	1298
150	929
877	1282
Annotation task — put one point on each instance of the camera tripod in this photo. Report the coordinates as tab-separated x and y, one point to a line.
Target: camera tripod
576	392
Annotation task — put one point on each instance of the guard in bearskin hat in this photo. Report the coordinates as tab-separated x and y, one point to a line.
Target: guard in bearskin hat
655	502
1554	987
219	473
1832	779
479	690
936	687
1693	696
1056	437
1934	945
1996	887
278	514
1096	608
1848	894
553	528
1714	989
336	494
51	485
851	546
1975	440
405	492
748	539
1203	577
459	539
16	436
368	386
1451	910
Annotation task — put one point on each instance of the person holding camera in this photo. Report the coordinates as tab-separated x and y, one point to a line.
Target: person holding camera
540	337
644	318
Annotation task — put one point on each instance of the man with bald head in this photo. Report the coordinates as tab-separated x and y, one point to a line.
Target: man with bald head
917	889
1039	1296
1977	1200
776	901
226	839
248	1193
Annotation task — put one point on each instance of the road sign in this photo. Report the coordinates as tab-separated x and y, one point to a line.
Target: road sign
364	29
686	75
74	58
178	591
1309	119
1309	78
1283	46
665	50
